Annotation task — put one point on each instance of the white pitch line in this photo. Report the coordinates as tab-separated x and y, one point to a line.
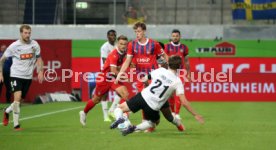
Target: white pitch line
47	114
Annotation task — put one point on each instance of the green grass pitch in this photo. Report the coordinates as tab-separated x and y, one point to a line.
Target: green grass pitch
230	126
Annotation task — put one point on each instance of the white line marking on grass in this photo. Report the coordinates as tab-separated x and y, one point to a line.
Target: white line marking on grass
47	114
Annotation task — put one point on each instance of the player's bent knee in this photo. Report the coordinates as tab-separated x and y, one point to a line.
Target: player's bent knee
123	92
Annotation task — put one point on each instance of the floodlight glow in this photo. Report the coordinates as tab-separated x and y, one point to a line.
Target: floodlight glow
81	5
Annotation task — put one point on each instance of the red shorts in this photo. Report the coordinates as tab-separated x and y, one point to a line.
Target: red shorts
140	85
104	86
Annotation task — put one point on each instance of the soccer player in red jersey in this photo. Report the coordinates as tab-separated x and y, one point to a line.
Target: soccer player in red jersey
106	48
144	51
105	80
177	48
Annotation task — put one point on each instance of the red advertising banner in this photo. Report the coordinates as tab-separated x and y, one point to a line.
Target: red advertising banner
239	65
253	79
56	55
83	65
250	79
244	87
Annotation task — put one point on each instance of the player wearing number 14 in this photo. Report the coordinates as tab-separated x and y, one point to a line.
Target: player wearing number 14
25	54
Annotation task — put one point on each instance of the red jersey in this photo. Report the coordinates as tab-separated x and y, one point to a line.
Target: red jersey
105	80
179	49
145	55
115	58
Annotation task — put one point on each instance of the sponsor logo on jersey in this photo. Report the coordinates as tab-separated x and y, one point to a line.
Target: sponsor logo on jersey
143	60
26	56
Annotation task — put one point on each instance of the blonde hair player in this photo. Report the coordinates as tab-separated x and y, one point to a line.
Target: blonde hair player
25	54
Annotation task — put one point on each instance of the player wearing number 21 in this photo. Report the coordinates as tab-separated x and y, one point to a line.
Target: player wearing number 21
164	83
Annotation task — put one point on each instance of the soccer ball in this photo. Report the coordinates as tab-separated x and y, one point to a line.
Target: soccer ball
124	125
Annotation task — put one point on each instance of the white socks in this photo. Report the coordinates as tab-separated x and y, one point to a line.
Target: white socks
115	103
9	109
145	125
105	109
16	113
176	121
118	113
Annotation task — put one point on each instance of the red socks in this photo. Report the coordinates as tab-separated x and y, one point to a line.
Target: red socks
90	104
172	103
177	104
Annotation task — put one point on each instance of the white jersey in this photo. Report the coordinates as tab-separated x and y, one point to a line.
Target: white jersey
163	84
23	58
105	50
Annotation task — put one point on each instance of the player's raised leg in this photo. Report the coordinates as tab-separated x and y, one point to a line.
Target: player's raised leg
113	106
121	90
118	112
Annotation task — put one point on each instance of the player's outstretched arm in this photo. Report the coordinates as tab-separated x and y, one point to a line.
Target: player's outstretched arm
187	105
39	64
123	68
2	61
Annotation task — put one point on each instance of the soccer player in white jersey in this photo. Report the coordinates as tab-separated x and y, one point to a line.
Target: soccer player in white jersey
164	83
106	48
25	54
